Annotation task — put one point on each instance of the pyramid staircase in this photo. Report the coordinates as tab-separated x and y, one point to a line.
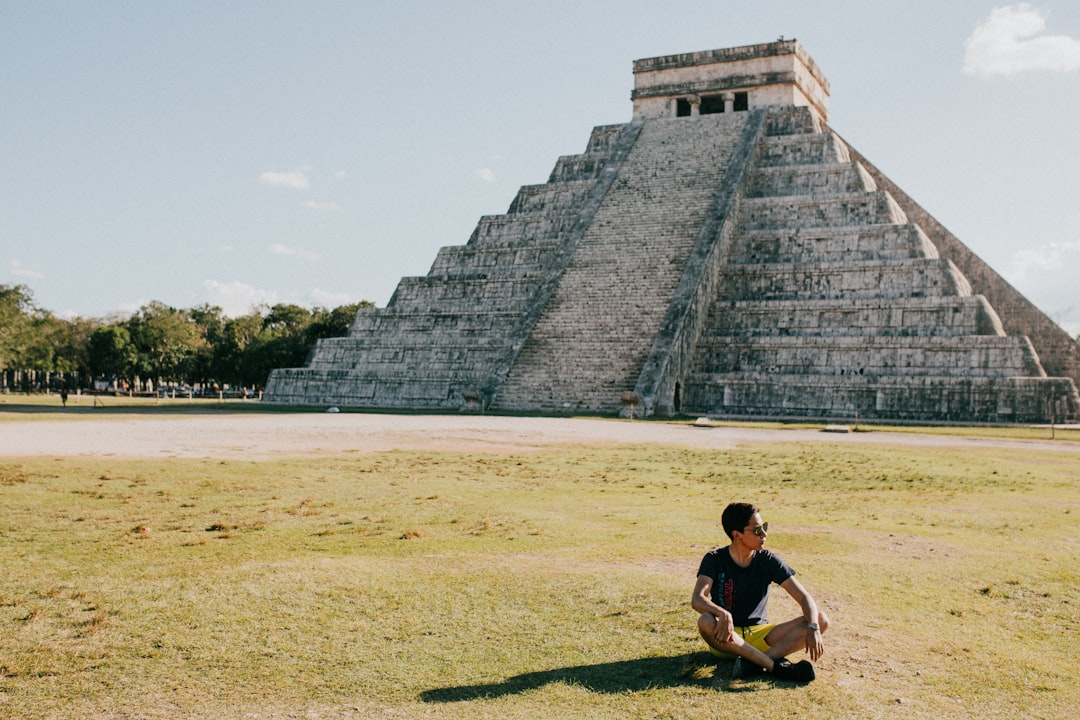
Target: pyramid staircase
592	340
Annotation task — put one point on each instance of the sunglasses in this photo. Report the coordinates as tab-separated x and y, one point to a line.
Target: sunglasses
761	529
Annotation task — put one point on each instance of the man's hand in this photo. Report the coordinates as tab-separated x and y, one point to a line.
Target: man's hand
725	628
814	645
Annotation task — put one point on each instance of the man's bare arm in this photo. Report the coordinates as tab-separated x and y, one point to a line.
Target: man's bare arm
814	645
701	601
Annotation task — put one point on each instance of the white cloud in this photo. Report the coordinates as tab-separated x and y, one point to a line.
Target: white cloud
297	179
340	175
288	251
320	205
1047	276
17	269
239	298
485	174
132	307
332	300
1011	40
1051	258
236	298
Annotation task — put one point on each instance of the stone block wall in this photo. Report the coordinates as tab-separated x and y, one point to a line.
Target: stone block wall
834	210
831	244
824	280
833	302
795	148
831	355
1059	351
1021	400
451	332
885	317
831	178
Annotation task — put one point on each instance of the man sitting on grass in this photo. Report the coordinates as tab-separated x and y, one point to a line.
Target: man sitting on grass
731	593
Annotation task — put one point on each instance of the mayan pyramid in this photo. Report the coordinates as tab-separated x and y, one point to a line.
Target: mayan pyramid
725	253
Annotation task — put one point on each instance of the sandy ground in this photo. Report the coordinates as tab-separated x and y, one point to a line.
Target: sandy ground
258	436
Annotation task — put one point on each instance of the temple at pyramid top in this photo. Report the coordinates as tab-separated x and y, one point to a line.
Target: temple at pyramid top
724	253
780	73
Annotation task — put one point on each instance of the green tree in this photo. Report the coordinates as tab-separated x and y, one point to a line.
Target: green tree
111	352
161	343
334	323
37	348
230	353
58	345
289	333
286	319
73	346
210	326
166	339
281	342
16	311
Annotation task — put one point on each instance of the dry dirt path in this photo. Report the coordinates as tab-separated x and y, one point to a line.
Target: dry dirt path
258	436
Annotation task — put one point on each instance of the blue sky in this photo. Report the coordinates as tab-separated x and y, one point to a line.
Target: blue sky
259	152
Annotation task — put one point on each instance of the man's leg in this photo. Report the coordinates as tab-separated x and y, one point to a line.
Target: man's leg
740	648
749	657
790	636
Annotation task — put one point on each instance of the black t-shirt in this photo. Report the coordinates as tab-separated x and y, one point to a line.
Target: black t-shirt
743	591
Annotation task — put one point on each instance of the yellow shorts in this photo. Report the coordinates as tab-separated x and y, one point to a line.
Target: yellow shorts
752	635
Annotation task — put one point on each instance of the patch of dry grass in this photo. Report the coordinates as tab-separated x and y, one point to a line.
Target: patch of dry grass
553	583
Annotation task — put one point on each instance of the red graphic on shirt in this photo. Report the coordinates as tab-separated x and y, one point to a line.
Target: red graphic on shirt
729	594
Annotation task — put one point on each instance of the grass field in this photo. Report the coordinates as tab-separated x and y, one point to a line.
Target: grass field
541	584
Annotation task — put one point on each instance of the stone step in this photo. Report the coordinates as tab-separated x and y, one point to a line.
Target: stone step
550	197
823	244
578	167
521	228
448	293
381	388
816	179
972	356
493	258
808	149
835	280
886	317
390	323
604	138
814	211
783	121
915	398
431	361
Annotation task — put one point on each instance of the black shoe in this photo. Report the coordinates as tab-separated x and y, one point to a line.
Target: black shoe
801	672
745	669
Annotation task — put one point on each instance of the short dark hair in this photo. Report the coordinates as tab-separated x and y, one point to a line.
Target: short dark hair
736	517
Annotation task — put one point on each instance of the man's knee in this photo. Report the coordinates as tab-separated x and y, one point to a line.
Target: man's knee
707	627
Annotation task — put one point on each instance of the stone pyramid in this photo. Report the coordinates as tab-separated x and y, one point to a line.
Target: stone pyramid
724	253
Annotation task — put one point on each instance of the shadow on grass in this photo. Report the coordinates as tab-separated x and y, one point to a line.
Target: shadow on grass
693	669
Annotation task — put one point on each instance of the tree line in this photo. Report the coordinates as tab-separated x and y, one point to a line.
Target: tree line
157	345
